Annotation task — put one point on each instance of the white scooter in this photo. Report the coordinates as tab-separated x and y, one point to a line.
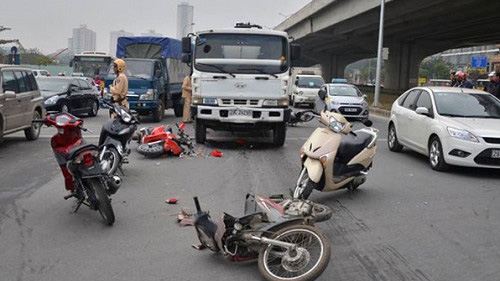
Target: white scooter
335	157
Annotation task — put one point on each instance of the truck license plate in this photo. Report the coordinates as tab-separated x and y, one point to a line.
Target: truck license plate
240	112
495	153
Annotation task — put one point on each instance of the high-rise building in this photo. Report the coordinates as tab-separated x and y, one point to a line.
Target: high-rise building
184	19
83	40
113	38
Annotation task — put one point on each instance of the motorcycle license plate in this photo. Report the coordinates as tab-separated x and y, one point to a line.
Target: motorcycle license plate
495	153
240	112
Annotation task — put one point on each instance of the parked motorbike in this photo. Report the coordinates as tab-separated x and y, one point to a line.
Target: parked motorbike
335	157
161	140
286	246
300	117
115	138
80	166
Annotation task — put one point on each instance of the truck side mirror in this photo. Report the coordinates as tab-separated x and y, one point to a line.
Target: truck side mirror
322	94
186	58
186	45
294	51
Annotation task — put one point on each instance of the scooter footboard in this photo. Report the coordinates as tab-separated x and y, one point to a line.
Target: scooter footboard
314	169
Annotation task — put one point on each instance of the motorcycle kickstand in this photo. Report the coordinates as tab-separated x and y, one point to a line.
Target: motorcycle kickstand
351	191
80	202
121	170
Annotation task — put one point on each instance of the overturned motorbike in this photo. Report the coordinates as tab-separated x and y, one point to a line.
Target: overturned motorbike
300	117
161	140
283	240
79	163
115	138
335	157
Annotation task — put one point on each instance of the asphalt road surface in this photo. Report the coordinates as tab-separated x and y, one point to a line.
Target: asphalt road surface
407	222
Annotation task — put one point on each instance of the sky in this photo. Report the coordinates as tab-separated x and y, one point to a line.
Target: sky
48	24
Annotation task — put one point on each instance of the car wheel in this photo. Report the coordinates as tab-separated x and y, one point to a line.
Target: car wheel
94	109
1	131
436	157
392	140
33	132
64	107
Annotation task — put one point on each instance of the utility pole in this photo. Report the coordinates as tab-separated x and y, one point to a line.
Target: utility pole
379	53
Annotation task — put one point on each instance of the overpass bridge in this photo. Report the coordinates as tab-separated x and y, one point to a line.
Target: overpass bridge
335	33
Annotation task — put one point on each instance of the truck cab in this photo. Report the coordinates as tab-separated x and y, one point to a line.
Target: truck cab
304	88
240	80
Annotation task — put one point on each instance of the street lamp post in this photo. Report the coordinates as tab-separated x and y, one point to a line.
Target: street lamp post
379	54
184	28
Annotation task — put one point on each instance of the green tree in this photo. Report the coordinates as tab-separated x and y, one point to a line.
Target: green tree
434	69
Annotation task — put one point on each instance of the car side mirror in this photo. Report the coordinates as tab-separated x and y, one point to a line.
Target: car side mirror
365	97
322	94
186	58
422	111
186	45
294	51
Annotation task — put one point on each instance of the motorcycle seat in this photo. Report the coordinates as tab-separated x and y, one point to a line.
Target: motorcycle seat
79	148
351	145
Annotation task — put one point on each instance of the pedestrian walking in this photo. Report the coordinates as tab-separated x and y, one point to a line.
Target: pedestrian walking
187	93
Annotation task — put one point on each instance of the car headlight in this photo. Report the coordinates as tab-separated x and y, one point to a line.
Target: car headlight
270	103
364	104
52	100
335	125
462	134
210	101
149	95
301	93
334	102
125	116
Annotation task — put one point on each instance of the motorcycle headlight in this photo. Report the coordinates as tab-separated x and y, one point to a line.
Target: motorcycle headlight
462	134
125	116
149	95
335	125
51	100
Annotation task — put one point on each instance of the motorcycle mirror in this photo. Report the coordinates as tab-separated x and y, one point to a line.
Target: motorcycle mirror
368	123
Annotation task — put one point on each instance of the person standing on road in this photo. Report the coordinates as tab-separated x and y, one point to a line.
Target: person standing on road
187	93
453	78
119	88
462	81
494	84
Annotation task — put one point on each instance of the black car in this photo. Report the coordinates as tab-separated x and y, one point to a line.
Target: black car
69	94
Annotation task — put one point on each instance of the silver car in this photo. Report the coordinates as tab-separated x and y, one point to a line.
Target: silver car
342	98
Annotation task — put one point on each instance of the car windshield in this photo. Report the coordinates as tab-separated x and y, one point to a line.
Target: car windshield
310	82
346	91
467	105
52	85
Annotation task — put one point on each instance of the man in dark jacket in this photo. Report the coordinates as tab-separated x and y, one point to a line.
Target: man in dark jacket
494	84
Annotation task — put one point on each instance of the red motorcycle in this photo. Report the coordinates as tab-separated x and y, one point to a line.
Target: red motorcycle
80	166
281	238
161	140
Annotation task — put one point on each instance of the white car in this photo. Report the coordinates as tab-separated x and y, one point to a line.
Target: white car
452	126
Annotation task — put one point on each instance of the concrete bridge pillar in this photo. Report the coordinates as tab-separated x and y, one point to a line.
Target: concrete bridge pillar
333	66
402	67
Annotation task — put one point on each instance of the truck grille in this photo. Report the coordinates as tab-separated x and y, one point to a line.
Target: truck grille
230	102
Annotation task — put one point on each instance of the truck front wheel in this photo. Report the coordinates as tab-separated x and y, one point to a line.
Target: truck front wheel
159	112
279	134
178	108
200	131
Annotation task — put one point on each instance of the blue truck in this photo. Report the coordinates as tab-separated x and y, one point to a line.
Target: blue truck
155	73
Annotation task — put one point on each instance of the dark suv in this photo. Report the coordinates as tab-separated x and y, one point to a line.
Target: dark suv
20	102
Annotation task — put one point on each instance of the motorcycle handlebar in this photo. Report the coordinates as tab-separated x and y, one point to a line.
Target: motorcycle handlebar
197	204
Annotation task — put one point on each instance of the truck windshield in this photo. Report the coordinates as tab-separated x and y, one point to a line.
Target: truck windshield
241	53
310	82
137	68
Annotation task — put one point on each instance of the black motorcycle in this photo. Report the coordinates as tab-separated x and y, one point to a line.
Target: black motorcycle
115	138
300	117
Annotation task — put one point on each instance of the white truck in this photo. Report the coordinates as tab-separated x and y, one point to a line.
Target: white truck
304	85
240	79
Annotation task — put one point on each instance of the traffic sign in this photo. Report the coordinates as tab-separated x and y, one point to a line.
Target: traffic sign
479	62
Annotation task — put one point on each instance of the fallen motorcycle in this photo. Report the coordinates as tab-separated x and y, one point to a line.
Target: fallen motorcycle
300	117
161	140
286	245
79	163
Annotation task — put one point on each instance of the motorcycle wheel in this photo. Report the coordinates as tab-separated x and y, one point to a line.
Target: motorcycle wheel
96	186
307	262
306	117
304	186
110	161
321	212
151	151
